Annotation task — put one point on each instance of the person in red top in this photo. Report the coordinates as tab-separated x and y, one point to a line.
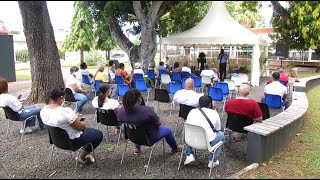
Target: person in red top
126	76
283	77
243	105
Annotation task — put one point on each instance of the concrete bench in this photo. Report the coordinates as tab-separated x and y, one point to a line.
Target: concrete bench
266	138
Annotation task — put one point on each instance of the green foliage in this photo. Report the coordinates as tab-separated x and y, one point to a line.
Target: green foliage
299	27
93	58
22	56
14	32
61	54
103	37
82	34
137	41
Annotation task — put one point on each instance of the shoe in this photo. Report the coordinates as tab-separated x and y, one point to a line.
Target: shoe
117	131
178	149
213	164
26	130
137	151
81	161
189	159
90	158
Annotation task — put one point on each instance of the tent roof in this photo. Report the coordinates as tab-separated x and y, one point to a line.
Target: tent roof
216	28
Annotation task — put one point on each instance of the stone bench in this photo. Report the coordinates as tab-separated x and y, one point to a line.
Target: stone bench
266	138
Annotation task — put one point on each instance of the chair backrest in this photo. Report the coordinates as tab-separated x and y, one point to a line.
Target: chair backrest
273	101
236	122
165	79
11	114
119	80
97	84
137	134
197	81
184	111
151	75
174	87
244	78
231	84
224	86
86	80
141	85
122	89
183	82
161	95
69	95
237	79
60	138
265	110
206	80
162	72
138	77
185	74
176	76
107	117
283	83
195	136
215	93
216	77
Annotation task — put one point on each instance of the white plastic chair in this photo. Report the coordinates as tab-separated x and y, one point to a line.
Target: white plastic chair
244	78
165	79
231	85
237	80
205	80
197	138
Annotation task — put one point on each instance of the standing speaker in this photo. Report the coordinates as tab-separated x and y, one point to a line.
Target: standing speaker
7	64
282	50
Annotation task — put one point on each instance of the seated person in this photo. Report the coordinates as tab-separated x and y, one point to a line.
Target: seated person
137	69
243	105
176	67
216	72
133	112
195	117
162	67
283	77
102	101
85	72
100	76
82	96
126	76
187	96
208	72
186	68
276	88
63	117
24	112
111	71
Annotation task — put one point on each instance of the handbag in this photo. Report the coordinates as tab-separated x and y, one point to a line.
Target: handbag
211	125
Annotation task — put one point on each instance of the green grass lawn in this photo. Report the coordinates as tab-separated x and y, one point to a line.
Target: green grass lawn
301	158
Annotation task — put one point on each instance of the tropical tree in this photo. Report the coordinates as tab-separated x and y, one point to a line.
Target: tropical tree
103	39
81	37
43	51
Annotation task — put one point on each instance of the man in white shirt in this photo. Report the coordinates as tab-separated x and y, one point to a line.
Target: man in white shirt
276	88
207	72
186	68
137	69
195	117
187	96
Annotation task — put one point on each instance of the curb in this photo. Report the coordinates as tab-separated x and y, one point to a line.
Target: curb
244	170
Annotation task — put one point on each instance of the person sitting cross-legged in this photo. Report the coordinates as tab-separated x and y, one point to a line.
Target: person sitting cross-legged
195	117
65	118
132	112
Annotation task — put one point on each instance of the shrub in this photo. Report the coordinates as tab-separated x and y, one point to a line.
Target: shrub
22	55
62	54
93	58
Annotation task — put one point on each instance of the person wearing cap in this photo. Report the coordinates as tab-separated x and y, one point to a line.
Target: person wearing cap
138	69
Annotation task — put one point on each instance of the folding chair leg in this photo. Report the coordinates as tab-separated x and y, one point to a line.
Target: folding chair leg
52	149
78	156
8	129
211	166
164	157
125	148
149	160
94	155
181	156
24	126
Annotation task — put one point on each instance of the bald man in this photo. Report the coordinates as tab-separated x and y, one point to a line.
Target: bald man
243	105
187	96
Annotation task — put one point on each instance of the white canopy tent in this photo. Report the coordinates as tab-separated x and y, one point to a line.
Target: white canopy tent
218	28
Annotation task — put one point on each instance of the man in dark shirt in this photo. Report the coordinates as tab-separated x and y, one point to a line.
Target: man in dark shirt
201	61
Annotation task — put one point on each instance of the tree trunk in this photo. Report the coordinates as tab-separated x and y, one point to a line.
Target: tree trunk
43	52
107	54
81	56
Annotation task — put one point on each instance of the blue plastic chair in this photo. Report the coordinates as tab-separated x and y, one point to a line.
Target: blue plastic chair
197	82
151	75
122	89
138	77
176	76
86	80
224	86
217	95
174	87
183	82
97	84
119	80
283	82
185	74
274	101
162	72
141	85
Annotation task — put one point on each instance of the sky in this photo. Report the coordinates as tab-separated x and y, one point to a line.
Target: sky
61	13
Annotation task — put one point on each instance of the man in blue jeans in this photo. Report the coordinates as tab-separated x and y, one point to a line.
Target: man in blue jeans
195	117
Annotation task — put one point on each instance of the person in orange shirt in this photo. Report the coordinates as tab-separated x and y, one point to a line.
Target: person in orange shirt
126	76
